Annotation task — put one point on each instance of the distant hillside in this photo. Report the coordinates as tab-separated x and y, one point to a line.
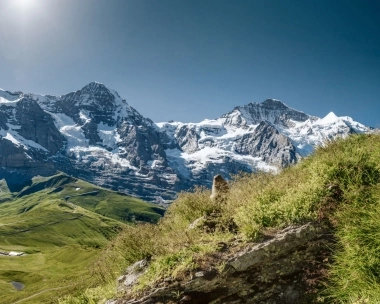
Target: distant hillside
307	235
105	202
60	223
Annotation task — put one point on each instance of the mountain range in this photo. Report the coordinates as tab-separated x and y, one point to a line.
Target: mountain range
95	135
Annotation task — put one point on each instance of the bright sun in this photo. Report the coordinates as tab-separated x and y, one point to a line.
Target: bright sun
24	4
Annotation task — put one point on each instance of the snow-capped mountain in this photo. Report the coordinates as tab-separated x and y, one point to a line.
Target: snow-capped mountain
258	136
95	134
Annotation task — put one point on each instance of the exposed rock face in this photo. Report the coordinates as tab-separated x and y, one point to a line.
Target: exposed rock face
271	110
37	125
96	135
269	144
28	138
187	138
276	271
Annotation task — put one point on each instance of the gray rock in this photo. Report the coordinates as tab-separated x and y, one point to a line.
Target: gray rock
132	275
37	125
271	110
269	144
199	222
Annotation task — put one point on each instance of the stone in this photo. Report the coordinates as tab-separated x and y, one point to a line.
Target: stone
132	274
199	274
199	222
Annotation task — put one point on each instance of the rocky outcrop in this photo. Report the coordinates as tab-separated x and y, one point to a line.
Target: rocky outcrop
283	269
37	126
269	144
141	144
187	138
28	138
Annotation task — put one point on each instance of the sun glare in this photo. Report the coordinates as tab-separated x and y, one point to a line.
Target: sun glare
24	4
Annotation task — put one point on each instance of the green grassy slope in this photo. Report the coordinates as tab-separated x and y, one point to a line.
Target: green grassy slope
61	239
339	185
99	200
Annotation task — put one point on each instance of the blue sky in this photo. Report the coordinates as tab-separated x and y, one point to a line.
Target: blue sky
188	60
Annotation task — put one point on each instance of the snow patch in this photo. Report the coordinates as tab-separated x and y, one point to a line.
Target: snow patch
98	156
84	115
18	140
109	135
9	137
15	253
72	131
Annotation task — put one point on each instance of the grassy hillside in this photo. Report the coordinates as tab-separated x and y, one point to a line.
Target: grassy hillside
339	185
61	238
99	200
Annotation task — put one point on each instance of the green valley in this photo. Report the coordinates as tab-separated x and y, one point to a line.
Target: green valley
60	224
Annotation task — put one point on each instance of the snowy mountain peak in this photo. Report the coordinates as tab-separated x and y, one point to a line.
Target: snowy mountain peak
94	86
274	104
330	118
271	110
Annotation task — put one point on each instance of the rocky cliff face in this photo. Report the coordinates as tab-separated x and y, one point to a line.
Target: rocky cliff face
28	139
270	110
110	143
269	144
96	135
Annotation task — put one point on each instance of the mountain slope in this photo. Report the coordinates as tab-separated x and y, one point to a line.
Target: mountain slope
60	241
61	223
77	192
97	136
309	234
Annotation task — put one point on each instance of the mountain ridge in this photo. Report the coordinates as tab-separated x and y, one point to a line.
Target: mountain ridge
94	134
